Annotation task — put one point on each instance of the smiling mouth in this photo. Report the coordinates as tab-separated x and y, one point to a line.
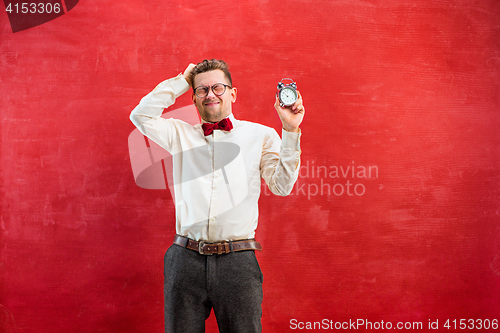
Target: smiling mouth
211	103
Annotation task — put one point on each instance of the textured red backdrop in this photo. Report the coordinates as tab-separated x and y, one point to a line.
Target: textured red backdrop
406	89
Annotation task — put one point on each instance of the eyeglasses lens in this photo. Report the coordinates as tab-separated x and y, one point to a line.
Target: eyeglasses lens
217	88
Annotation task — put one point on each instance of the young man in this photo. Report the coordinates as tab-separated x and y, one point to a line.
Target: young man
217	167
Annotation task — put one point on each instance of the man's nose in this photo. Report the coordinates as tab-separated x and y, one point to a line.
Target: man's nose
210	93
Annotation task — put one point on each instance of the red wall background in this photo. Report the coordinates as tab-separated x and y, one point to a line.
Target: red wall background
409	88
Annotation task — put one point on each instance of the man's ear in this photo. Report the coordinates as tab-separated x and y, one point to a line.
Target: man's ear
234	93
193	97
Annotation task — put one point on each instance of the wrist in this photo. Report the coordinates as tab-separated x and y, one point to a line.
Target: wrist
186	77
291	129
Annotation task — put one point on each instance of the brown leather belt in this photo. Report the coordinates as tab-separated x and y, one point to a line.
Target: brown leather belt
217	248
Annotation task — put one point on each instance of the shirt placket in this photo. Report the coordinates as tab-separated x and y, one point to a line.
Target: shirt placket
214	198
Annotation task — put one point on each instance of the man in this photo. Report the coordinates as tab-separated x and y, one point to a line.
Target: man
217	167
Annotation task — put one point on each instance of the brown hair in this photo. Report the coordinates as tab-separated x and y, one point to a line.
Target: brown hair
211	65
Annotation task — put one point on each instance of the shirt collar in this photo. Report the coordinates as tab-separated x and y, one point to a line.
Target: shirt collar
231	116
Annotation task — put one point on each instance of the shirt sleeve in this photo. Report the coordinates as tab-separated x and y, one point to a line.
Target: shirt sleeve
147	115
280	162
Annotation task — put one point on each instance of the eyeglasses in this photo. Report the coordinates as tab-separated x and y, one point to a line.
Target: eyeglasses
218	89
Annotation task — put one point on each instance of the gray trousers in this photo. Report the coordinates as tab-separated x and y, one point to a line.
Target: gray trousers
230	283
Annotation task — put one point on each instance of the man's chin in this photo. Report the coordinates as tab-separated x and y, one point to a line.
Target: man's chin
212	115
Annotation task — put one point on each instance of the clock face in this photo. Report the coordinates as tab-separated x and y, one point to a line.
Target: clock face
288	96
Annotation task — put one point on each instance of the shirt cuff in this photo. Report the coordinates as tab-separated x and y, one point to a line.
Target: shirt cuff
179	85
290	139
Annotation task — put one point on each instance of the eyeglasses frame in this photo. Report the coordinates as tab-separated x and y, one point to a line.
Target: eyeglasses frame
212	88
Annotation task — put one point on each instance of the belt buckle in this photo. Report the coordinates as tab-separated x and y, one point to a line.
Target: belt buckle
200	248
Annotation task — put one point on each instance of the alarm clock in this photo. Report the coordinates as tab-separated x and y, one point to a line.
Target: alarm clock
287	93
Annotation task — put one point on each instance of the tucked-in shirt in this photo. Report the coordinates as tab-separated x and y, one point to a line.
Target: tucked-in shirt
217	178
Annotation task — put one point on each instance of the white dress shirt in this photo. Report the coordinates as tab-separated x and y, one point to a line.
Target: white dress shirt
217	177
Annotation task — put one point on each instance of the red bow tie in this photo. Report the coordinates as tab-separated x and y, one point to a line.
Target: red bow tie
225	125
